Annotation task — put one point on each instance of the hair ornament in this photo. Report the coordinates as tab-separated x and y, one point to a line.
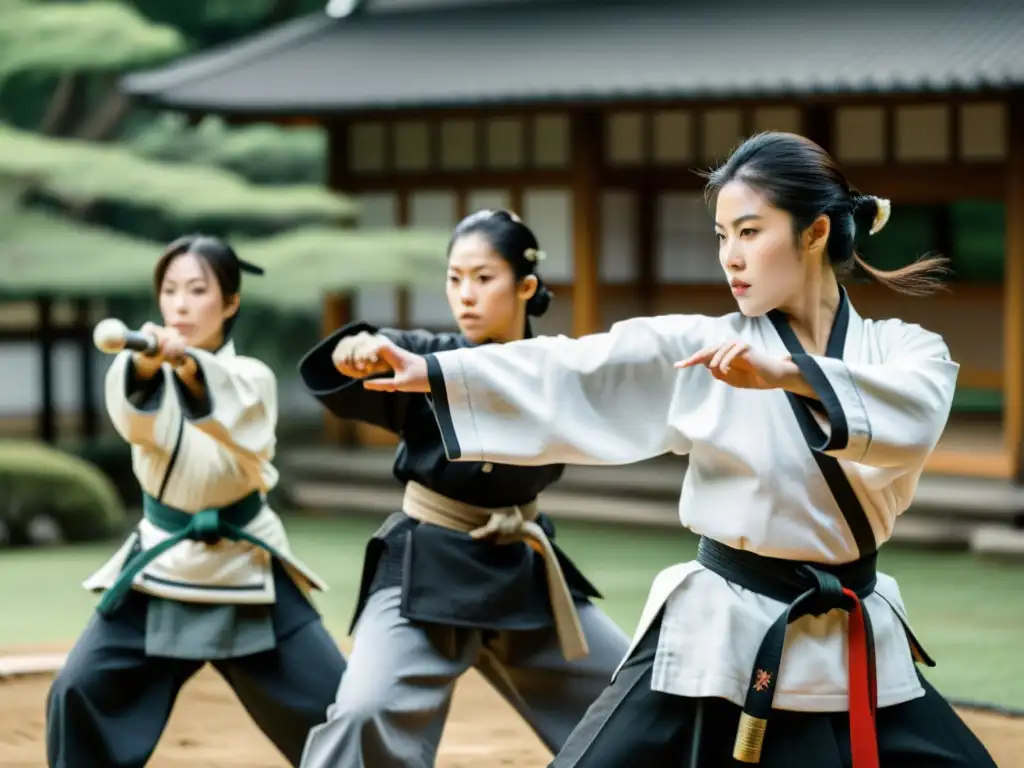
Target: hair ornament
534	256
883	210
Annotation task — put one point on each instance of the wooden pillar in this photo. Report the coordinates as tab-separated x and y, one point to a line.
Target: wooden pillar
586	225
336	312
48	413
1013	292
403	296
89	427
337	307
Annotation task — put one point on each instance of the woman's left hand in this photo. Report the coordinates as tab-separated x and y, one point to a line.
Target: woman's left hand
738	365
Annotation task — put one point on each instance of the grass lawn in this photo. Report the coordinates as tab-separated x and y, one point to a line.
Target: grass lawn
968	613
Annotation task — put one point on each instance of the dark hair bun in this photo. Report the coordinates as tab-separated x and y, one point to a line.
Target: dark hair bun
538	304
865	209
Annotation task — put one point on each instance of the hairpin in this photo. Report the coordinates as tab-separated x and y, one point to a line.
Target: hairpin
883	209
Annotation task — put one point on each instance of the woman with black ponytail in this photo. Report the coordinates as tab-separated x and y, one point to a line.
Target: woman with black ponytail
807	428
466	574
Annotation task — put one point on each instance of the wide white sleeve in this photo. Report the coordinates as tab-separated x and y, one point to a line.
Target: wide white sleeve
600	399
144	411
890	414
239	409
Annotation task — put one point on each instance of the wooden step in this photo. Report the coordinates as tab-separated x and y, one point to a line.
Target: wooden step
660	480
998	542
930	533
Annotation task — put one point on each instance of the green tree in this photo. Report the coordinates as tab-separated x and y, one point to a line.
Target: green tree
80	189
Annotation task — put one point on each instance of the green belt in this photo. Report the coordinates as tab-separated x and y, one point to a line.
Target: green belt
208	526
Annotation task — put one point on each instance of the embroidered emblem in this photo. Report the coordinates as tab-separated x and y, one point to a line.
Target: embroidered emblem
762	680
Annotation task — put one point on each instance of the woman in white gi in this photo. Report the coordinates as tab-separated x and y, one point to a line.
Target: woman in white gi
466	574
208	575
806	428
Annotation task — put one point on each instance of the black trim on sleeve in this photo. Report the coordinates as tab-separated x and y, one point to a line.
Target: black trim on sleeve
442	411
194	408
316	369
144	394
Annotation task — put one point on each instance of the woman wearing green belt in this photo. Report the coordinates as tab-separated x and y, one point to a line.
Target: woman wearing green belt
208	575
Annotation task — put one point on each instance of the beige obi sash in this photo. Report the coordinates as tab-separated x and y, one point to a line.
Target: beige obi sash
505	525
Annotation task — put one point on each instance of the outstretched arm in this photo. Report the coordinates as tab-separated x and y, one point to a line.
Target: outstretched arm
600	399
337	384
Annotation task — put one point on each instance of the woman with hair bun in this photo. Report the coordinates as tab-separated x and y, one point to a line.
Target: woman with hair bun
208	575
807	428
467	573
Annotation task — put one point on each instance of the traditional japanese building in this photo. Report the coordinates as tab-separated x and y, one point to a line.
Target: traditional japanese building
588	117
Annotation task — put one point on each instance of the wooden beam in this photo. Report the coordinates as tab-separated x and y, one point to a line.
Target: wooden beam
904	184
527	109
980	378
932	184
988	464
586	213
1013	293
31	334
337	311
681	294
445	181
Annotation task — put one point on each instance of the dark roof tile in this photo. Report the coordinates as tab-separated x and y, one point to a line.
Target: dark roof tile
602	50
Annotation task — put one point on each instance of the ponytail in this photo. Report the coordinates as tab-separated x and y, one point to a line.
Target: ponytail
921	278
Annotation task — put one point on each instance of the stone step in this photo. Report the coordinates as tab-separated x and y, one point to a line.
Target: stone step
660	480
998	542
910	530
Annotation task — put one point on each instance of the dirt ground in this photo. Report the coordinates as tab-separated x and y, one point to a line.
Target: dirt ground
482	731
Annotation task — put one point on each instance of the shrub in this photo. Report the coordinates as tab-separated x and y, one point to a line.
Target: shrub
48	494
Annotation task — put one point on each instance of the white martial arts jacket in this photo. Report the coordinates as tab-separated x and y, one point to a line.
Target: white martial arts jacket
196	464
752	482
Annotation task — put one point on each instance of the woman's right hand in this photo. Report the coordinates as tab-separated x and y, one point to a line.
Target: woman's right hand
359	355
410	372
171	347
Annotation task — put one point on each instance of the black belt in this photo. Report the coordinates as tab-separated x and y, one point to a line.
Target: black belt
808	589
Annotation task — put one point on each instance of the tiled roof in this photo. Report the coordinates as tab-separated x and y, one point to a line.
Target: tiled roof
602	50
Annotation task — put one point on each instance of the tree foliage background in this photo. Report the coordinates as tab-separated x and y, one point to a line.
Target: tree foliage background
91	185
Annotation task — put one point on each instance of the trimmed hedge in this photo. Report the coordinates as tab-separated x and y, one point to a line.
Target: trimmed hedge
40	485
